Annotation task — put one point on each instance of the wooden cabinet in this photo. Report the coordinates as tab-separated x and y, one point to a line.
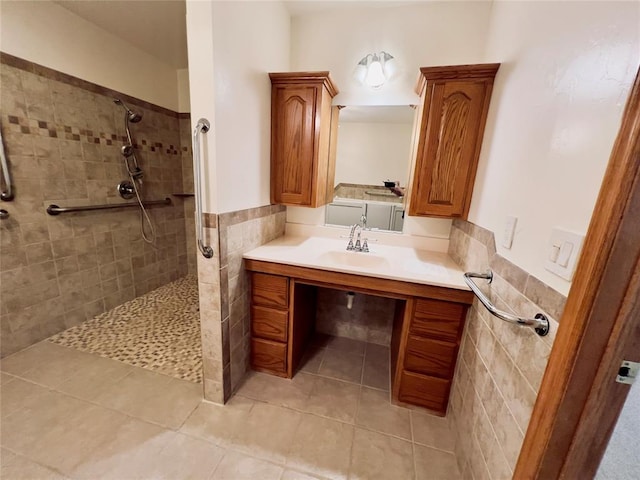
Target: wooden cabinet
280	324
302	138
424	349
425	340
451	121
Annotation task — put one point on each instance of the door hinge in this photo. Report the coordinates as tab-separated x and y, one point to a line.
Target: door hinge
628	372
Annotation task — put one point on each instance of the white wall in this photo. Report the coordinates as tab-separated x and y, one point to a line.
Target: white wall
250	40
566	71
433	33
48	34
369	153
418	35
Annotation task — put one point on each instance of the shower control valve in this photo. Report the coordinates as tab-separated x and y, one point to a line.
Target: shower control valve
126	189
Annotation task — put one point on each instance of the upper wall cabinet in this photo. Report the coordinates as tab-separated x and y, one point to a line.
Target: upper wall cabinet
302	138
451	120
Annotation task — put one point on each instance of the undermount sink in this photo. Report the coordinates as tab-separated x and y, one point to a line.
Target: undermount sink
354	259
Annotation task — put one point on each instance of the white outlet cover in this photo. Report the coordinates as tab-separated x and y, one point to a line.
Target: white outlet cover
509	231
560	237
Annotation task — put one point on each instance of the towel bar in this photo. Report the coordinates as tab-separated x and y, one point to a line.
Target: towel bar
540	323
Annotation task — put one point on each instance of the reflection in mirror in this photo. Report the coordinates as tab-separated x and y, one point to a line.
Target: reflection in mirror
374	144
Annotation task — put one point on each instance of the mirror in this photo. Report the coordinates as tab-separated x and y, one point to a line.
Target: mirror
374	146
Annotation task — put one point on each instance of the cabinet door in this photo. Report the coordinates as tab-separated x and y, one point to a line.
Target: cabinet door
293	144
453	124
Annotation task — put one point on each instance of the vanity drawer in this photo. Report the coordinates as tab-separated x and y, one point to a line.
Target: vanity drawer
269	323
430	357
428	392
268	355
269	290
438	319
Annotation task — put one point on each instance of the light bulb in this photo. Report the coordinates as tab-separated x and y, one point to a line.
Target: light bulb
361	70
390	65
375	75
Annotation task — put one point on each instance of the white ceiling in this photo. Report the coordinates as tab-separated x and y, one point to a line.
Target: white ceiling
157	27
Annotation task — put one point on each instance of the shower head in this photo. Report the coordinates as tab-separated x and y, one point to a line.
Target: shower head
131	117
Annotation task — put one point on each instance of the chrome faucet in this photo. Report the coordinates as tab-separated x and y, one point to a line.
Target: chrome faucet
359	245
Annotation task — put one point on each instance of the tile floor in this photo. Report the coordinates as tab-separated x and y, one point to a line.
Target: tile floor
158	331
72	414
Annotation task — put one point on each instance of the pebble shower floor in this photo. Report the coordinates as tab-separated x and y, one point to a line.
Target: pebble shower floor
159	331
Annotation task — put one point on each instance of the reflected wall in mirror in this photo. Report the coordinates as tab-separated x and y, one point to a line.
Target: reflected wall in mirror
374	146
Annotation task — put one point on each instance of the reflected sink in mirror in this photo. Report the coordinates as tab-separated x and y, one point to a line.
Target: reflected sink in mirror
354	259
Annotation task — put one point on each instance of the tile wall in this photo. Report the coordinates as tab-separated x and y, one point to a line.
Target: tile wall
500	366
224	293
186	154
62	138
369	320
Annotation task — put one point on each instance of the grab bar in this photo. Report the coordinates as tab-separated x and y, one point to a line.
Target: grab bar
56	210
203	126
7	195
540	323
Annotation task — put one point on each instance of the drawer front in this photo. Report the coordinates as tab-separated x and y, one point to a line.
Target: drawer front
269	290
437	319
430	357
269	323
268	355
428	392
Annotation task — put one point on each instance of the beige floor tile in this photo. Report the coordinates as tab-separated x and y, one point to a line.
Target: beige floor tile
131	451
312	359
376	367
22	468
342	366
291	393
267	432
295	475
216	423
377	413
380	457
321	447
22	430
93	376
152	397
236	466
34	357
334	399
19	394
170	405
434	464
184	457
346	345
432	431
6	457
67	444
5	378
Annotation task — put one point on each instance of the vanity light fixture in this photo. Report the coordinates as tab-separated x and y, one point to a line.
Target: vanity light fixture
375	68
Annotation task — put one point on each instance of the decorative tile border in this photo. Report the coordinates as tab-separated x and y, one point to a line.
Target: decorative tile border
538	292
52	74
50	129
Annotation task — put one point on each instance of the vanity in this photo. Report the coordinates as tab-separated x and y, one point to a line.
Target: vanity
431	304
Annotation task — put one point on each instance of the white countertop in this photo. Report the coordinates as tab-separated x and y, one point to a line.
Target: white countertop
402	263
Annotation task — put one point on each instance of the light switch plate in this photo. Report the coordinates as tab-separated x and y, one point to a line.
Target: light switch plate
509	231
562	252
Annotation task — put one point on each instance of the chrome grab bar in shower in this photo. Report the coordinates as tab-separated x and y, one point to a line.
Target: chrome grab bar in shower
540	323
202	126
56	210
7	195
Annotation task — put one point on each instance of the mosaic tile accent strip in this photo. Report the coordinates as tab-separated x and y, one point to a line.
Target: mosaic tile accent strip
159	331
51	129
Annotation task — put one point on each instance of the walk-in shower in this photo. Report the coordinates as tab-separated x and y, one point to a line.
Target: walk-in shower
129	189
